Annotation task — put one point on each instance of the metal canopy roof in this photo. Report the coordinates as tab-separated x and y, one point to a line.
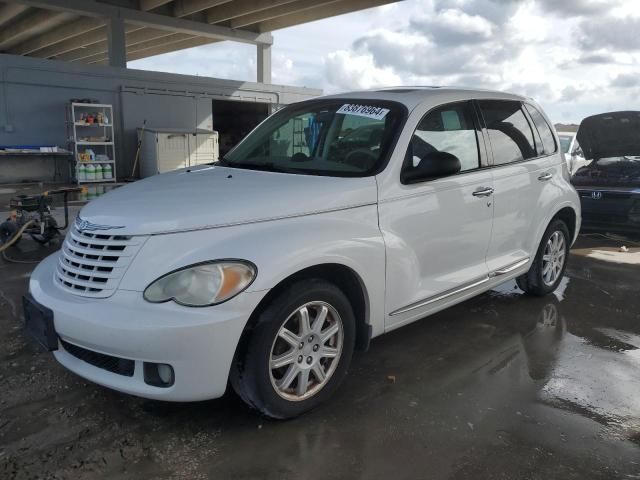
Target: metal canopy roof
83	30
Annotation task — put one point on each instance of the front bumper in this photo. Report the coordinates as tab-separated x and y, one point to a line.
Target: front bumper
199	343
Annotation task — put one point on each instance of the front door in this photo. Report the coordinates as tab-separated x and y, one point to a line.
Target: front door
437	231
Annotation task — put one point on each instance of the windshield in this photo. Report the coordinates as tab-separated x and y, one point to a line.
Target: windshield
327	137
565	142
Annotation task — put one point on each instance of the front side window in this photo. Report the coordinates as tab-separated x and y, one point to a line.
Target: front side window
330	137
510	134
544	130
448	129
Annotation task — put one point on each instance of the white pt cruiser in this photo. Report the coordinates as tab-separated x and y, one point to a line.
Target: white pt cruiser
336	220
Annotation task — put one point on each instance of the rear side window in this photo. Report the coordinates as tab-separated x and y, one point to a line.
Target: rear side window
450	129
509	130
546	135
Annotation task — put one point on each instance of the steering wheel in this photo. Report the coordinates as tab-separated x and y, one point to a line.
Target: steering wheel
361	157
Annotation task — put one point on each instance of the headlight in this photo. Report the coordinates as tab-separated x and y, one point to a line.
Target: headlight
202	284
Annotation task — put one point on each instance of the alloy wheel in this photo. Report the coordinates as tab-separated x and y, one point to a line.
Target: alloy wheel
553	258
306	351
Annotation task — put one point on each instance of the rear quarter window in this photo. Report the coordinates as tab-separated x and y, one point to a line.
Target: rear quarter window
510	133
544	130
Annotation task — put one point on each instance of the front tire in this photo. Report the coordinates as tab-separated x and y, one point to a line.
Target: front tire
298	352
550	262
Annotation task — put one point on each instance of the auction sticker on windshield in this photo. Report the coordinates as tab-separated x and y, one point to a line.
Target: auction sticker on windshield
368	111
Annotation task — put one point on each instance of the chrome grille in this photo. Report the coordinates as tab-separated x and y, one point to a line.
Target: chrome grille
92	264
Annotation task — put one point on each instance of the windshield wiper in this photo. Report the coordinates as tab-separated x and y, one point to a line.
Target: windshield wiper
263	166
222	162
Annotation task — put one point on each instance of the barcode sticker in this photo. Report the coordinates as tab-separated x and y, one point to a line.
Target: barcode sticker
368	111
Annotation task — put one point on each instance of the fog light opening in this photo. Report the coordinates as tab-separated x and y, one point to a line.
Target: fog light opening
158	374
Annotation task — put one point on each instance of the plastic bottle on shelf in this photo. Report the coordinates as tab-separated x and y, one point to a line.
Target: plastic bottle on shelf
90	172
82	172
107	172
98	172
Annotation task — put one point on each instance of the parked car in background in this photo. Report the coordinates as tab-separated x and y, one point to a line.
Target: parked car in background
335	221
609	185
572	151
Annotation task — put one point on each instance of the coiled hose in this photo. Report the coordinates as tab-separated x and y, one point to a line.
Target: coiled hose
15	238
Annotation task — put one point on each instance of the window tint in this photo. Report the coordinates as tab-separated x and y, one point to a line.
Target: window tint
548	142
450	129
509	131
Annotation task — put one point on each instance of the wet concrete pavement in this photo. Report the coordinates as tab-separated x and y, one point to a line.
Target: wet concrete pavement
501	386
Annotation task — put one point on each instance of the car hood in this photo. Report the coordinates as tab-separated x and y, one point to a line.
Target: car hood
613	134
213	196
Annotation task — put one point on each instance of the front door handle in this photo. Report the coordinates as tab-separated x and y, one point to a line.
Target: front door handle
545	176
483	192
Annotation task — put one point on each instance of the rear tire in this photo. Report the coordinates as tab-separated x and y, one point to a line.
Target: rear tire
309	329
550	262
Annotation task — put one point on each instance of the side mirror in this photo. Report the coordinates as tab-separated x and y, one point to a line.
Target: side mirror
432	165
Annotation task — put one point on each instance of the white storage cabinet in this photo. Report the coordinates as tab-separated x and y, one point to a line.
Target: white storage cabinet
164	150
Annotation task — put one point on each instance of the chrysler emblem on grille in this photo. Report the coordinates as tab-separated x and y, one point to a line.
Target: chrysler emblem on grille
596	195
84	225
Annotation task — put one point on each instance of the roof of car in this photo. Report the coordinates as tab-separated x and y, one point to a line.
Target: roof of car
411	96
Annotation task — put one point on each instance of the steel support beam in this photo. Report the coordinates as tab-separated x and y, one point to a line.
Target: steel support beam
275	12
16	30
241	7
91	8
172	47
264	63
61	34
9	11
145	49
132	38
116	45
320	12
182	8
147	5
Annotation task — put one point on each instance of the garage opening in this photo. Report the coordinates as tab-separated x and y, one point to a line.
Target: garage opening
233	120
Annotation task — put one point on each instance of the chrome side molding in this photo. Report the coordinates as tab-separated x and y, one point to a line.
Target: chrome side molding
440	296
467	286
509	268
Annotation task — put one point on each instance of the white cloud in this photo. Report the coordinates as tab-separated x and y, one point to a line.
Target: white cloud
346	71
576	57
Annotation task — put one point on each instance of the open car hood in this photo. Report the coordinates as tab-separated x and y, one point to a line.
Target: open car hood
613	134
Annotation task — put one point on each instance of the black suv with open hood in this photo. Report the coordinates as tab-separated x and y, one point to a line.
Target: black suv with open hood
609	185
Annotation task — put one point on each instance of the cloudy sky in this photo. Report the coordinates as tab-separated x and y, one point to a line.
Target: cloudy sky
575	57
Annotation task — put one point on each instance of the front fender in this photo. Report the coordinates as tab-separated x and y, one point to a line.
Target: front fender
279	249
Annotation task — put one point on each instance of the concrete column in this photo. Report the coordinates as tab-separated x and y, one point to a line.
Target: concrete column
117	46
264	63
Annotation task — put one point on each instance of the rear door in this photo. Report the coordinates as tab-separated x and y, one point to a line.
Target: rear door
437	231
522	170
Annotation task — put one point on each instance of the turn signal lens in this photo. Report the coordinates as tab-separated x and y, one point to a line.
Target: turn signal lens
203	284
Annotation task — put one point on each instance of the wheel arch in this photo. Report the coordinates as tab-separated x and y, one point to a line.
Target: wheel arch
569	216
338	274
565	212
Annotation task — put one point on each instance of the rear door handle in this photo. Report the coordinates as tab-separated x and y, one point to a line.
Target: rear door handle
483	192
545	176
